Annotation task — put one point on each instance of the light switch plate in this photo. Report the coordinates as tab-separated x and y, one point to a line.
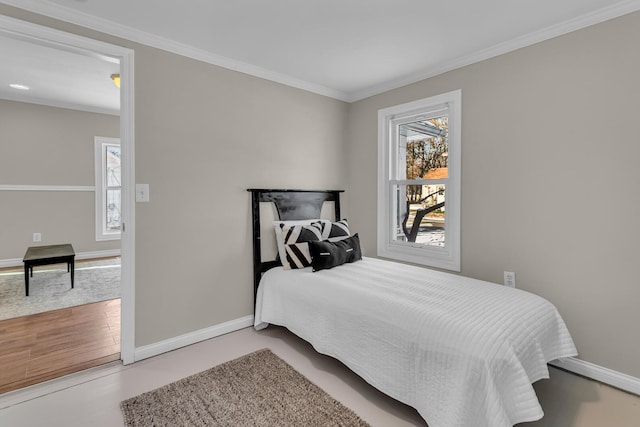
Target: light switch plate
142	192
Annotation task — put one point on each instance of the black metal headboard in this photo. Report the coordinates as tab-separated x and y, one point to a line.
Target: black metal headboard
290	205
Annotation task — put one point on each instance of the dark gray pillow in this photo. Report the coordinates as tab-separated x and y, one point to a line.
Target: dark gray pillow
326	254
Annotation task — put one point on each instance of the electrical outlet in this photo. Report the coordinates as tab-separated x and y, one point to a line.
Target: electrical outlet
510	279
37	237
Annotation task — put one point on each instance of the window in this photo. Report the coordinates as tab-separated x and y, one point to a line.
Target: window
108	188
419	164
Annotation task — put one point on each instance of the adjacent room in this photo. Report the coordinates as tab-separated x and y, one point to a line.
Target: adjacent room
456	149
60	194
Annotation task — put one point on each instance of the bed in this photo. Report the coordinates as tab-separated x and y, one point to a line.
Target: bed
463	352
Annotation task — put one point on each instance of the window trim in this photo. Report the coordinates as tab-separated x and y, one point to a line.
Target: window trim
102	234
448	257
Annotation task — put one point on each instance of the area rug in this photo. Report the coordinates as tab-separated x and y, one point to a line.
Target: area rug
258	389
50	287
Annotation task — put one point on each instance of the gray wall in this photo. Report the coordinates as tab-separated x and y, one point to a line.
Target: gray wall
200	145
203	136
549	178
49	146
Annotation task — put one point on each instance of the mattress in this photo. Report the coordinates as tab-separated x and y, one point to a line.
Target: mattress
463	352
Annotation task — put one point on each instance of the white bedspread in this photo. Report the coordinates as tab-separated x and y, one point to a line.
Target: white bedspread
463	352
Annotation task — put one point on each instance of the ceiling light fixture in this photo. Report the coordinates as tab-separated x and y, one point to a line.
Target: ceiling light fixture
116	79
19	86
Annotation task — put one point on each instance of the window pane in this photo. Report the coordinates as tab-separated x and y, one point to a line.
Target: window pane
419	216
423	148
112	153
419	143
113	210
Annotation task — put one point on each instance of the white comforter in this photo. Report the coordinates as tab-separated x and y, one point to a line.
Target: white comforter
463	352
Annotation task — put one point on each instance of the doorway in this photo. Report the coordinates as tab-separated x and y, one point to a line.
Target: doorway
70	43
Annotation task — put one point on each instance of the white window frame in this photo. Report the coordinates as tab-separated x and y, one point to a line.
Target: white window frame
447	257
100	144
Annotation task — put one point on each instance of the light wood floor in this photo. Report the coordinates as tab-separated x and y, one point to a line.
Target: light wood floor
43	346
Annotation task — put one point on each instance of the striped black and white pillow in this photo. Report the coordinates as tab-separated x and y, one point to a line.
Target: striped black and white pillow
334	231
296	240
278	225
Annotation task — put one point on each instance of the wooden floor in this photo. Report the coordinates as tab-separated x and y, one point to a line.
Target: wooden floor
44	346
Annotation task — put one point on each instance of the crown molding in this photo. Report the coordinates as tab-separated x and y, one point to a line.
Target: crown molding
72	16
60	104
605	14
12	187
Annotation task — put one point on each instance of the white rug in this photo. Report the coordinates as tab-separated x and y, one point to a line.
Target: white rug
50	287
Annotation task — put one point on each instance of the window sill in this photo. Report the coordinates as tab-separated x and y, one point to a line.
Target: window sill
107	237
430	257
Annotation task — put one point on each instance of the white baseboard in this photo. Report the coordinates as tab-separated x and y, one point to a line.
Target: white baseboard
586	369
98	254
4	263
604	375
17	262
155	349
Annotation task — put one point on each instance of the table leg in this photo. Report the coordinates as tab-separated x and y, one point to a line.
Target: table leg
73	267
26	279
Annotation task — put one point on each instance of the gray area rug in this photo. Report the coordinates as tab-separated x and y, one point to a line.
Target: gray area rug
50	287
258	389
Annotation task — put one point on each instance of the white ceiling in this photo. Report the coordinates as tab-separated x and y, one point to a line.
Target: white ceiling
346	49
57	77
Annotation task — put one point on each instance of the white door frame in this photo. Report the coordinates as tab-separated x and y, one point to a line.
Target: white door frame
50	37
